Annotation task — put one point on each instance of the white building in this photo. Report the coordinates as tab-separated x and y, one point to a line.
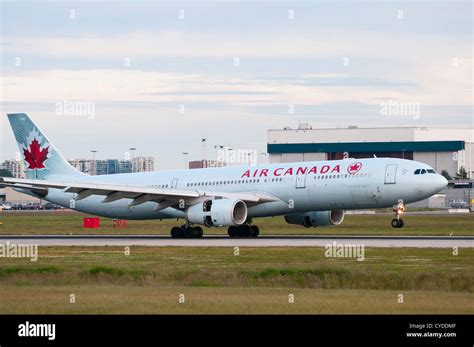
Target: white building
142	164
205	163
16	168
83	165
442	148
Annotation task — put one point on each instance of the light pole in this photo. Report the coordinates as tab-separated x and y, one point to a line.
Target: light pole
185	160
204	154
132	150
94	165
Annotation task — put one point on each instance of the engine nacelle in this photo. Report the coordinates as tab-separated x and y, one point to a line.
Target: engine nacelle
218	212
316	218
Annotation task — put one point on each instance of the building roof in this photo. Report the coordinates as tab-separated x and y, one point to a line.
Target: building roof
390	146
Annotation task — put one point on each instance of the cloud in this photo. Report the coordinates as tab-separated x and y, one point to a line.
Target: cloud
438	82
379	66
180	43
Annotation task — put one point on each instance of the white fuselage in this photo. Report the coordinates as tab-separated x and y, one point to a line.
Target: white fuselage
299	187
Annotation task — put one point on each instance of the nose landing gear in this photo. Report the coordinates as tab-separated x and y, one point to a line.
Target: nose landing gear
398	210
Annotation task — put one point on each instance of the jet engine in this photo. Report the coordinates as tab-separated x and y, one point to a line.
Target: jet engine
316	218
218	212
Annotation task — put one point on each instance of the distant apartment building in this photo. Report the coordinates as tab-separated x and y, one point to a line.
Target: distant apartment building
91	167
113	166
204	163
143	164
124	166
16	168
83	165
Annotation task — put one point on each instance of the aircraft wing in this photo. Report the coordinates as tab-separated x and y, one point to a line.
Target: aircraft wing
139	195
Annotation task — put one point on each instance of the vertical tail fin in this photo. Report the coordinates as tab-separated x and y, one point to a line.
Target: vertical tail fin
40	156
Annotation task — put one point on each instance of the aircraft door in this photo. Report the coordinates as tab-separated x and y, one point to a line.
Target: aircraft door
174	183
390	173
301	180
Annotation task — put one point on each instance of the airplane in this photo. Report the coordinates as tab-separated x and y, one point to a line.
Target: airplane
310	194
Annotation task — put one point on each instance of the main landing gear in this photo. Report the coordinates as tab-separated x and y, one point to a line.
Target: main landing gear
398	210
243	231
186	232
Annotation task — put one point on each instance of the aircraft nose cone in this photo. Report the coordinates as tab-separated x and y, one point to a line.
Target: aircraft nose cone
440	183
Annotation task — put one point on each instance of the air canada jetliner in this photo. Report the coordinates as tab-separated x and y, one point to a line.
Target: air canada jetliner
310	194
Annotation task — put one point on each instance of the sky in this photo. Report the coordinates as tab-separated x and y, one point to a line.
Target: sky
160	76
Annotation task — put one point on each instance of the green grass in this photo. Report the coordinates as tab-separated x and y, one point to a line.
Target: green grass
153	300
71	223
214	280
7	271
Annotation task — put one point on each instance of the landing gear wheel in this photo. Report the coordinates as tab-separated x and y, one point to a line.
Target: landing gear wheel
397	223
186	232
254	231
198	232
400	223
176	232
394	223
232	231
243	231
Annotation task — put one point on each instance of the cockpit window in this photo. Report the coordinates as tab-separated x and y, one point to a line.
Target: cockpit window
424	171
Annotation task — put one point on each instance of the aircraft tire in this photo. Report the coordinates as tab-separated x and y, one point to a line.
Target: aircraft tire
243	231
401	223
198	232
254	231
232	231
176	232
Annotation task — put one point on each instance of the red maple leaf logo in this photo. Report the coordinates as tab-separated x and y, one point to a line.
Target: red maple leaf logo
354	168
36	156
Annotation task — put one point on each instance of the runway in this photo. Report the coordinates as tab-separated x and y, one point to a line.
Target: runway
225	241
